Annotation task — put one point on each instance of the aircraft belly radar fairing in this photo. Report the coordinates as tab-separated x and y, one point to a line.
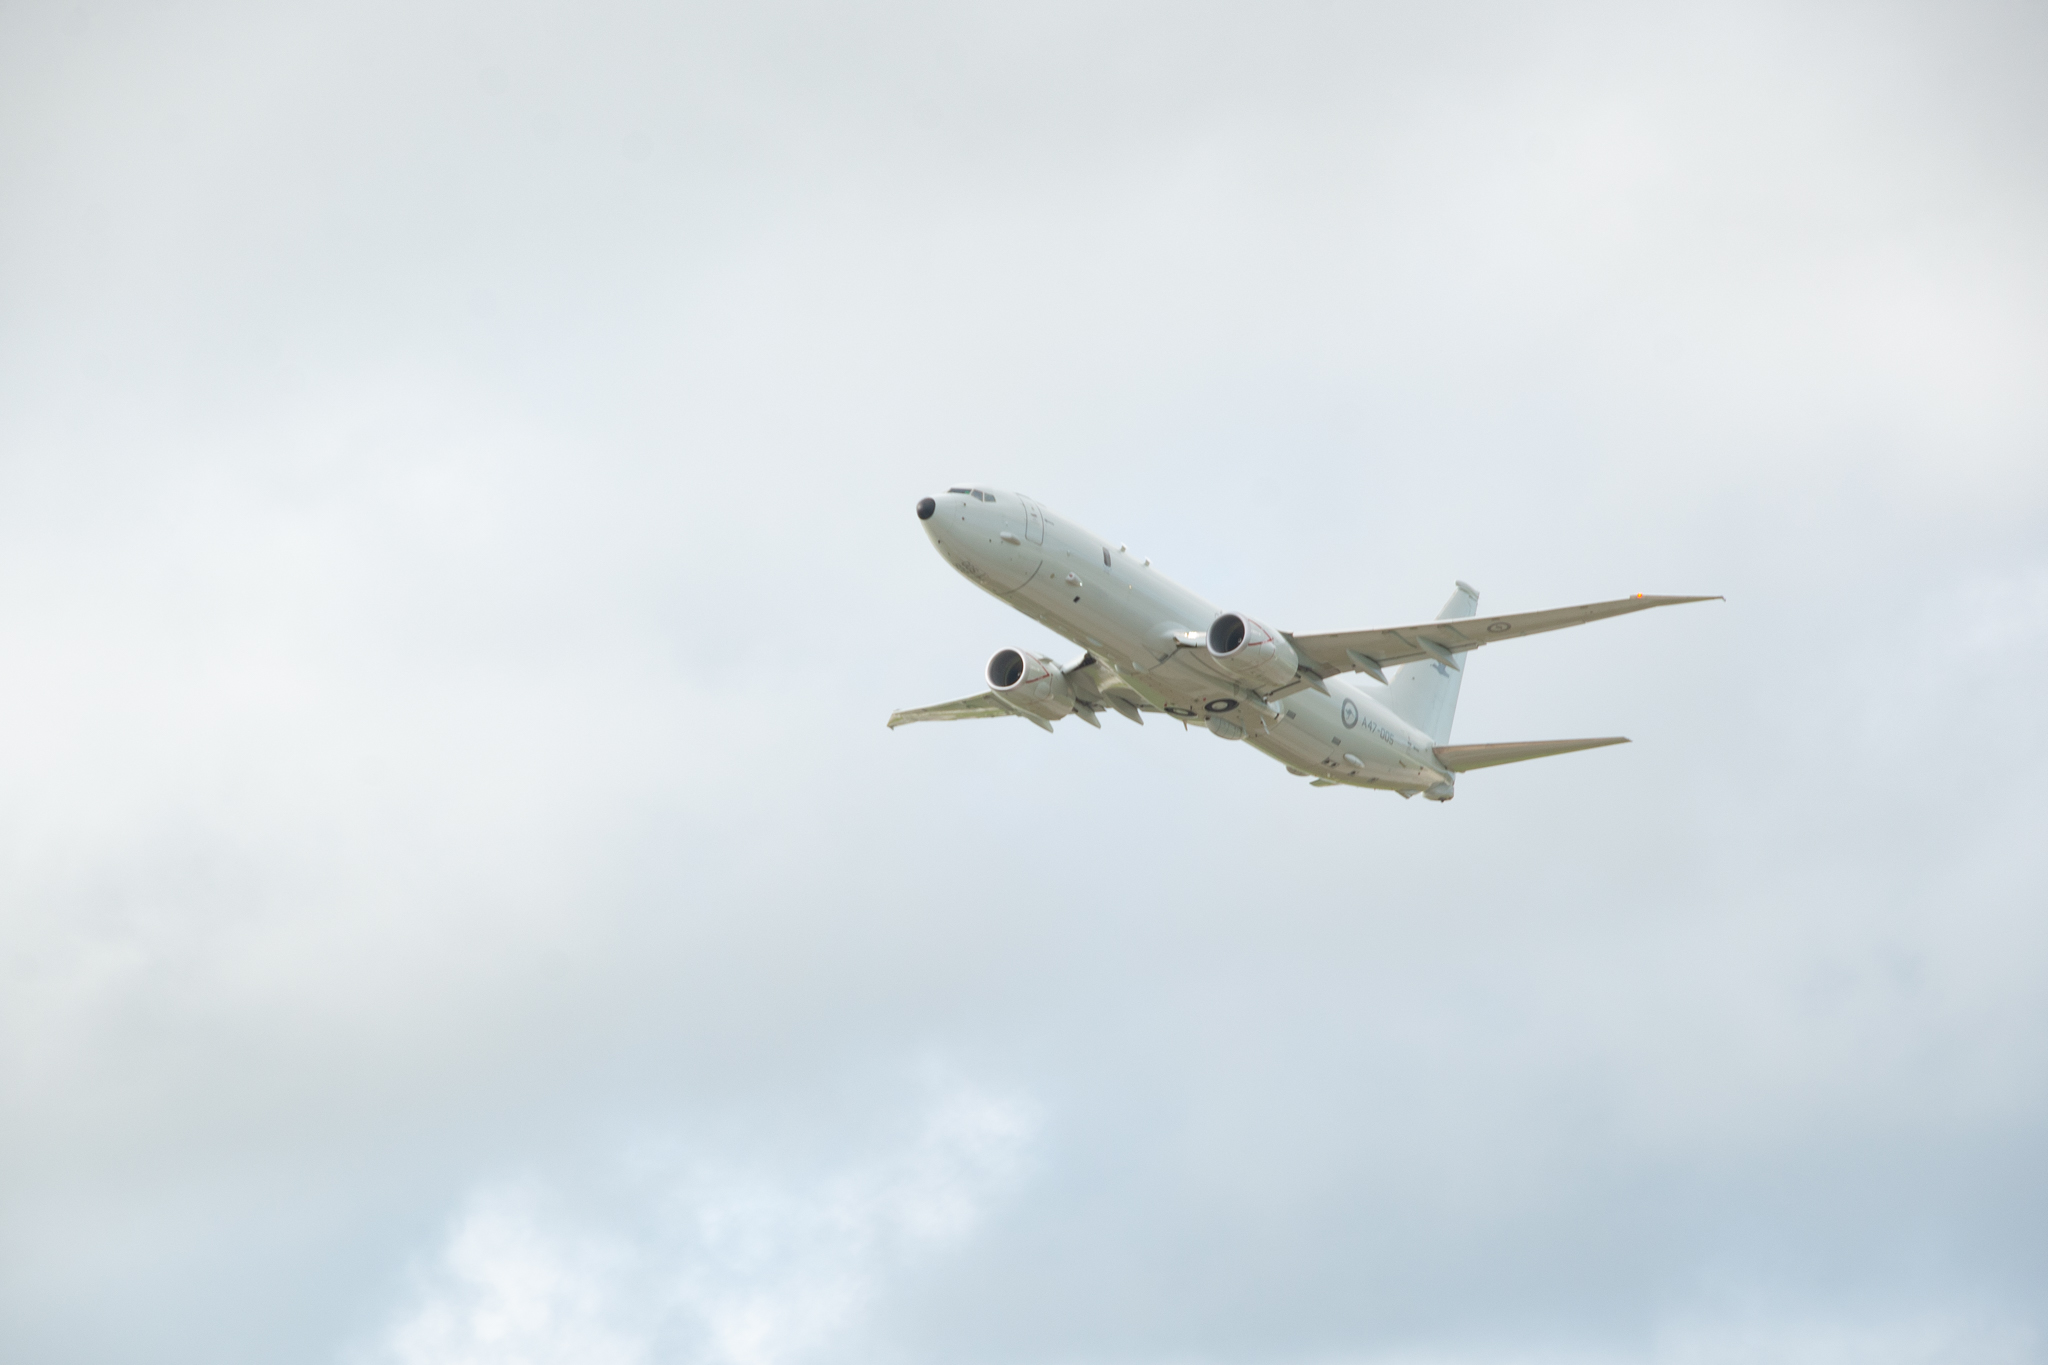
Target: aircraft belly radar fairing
1151	645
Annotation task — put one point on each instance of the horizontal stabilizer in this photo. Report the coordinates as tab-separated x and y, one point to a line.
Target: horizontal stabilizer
1463	758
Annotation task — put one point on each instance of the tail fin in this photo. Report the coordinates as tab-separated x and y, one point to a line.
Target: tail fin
1426	694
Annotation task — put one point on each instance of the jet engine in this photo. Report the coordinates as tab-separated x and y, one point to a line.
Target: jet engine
1251	653
1030	683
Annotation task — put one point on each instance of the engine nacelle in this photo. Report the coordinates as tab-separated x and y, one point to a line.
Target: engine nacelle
1030	683
1251	653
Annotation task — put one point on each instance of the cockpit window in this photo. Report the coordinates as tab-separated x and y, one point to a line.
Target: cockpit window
959	490
1105	558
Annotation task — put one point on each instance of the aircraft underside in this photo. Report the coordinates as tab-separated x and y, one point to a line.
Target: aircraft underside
1153	647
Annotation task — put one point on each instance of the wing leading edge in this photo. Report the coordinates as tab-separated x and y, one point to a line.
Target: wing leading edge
1371	651
966	708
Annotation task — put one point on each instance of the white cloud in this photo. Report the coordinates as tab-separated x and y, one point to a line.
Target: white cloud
513	1290
719	1263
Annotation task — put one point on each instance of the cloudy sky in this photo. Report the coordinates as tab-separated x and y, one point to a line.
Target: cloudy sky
460	905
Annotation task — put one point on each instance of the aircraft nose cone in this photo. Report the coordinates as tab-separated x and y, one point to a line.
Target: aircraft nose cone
925	508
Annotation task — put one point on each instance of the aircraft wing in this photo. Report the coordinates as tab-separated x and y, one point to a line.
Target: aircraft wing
967	708
1341	651
1463	758
1084	676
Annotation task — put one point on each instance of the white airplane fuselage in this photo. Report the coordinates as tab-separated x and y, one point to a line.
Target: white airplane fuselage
1136	622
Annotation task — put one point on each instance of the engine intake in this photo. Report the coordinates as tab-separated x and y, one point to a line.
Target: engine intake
1250	652
1030	683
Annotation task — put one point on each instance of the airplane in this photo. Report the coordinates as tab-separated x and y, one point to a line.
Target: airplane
1150	645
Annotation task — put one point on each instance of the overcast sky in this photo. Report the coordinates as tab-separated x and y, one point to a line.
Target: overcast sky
459	902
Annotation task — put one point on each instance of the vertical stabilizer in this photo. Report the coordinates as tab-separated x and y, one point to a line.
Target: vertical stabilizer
1426	694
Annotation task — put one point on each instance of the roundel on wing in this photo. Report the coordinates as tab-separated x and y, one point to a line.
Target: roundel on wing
1220	705
1350	713
1497	627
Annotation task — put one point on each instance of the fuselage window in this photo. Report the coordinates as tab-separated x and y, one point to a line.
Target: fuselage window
1105	557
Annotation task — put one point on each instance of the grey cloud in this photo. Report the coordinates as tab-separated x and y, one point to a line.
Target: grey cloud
455	470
